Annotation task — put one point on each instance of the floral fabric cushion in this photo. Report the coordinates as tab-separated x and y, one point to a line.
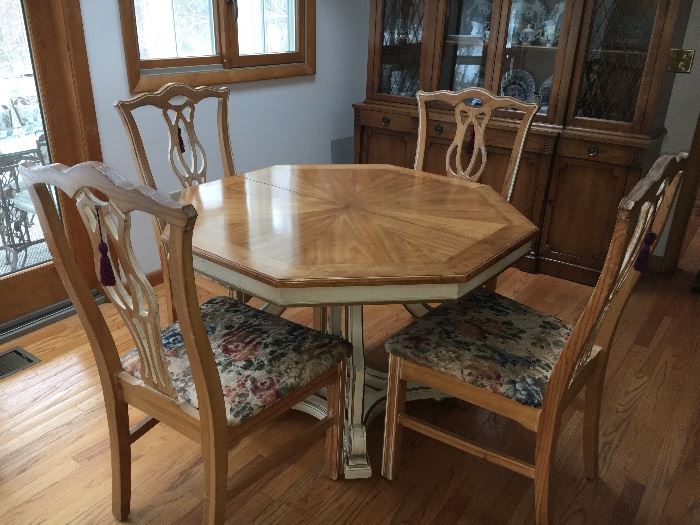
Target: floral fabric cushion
261	358
489	341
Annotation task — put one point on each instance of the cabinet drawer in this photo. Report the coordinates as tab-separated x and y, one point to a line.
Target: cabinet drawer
440	129
392	121
597	151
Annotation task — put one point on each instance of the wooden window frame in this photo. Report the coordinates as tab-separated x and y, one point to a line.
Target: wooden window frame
226	66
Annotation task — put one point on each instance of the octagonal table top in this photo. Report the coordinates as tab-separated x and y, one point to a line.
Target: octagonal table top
353	225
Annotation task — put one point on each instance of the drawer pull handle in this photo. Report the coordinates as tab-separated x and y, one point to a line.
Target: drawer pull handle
593	151
385	121
439	129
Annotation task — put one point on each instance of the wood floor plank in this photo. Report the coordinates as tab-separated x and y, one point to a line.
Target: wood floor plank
54	453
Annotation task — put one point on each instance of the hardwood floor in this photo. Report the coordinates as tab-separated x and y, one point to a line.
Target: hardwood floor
54	458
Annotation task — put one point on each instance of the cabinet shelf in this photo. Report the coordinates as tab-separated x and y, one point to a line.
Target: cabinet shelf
618	52
536	47
469	40
408	47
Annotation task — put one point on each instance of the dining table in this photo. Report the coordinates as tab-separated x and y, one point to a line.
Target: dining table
338	237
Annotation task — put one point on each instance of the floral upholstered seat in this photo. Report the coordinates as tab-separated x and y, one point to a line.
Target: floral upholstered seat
261	358
489	341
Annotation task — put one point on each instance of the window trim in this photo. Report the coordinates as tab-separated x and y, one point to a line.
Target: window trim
226	67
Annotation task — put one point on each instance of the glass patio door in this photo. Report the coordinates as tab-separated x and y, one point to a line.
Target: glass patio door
22	140
28	279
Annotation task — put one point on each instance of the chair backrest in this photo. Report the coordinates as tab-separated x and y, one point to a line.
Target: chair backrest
641	217
106	202
473	110
186	155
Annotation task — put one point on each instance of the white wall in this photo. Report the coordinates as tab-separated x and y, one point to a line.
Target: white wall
286	121
684	107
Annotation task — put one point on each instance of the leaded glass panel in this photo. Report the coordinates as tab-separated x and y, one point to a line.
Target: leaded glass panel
617	52
401	47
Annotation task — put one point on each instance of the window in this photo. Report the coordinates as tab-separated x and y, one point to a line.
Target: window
216	41
266	27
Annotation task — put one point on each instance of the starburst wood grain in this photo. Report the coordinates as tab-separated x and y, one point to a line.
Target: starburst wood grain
371	224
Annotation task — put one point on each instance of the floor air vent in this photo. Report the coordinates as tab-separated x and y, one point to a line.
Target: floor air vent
14	360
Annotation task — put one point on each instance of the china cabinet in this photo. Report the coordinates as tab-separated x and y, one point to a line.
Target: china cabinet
596	67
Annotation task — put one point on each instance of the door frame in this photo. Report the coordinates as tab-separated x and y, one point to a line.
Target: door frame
57	44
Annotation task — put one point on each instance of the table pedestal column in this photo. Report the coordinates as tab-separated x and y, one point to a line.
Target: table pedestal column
356	460
366	388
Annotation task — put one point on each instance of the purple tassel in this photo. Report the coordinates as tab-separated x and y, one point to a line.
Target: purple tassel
641	264
106	271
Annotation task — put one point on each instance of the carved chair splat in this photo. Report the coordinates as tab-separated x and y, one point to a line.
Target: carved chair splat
473	110
580	364
178	103
214	421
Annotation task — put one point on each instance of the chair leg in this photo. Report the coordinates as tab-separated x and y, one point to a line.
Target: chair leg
544	460
591	425
395	402
215	455
120	448
320	318
334	435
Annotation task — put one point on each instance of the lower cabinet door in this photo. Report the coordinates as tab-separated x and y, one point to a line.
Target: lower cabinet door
580	216
387	147
529	184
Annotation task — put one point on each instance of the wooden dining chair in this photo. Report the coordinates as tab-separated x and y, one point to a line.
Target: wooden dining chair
467	154
221	371
186	155
473	110
510	359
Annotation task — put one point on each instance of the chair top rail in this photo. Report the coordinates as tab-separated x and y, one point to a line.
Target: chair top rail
126	195
162	97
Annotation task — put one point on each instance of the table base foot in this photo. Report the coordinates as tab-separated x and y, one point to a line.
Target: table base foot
356	461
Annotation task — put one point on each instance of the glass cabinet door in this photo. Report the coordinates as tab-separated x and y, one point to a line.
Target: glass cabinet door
401	47
467	37
531	49
615	59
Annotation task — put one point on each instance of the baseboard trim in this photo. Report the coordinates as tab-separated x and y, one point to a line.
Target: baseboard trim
43	317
